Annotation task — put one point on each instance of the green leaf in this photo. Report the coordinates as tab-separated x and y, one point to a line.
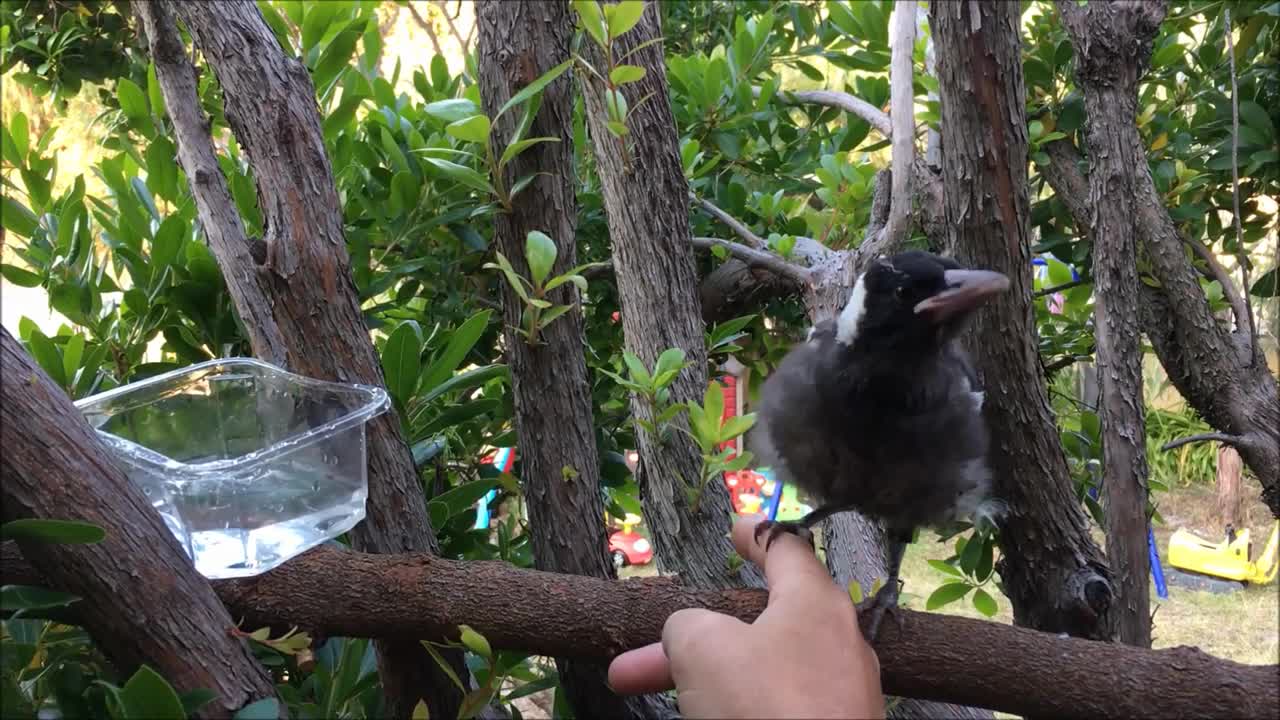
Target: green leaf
17	219
420	711
948	593
516	282
638	372
473	129
623	74
986	561
264	709
460	499
946	568
623	16
1252	114
402	361
475	642
19	598
736	426
462	174
615	105
535	87
670	359
72	352
520	146
475	701
452	110
147	695
193	700
47	356
971	554
540	251
713	403
547	317
617	128
443	664
460	343
168	242
1267	285
405	188
154	94
984	602
132	100
466	380
592	20
337	54
19	277
19	134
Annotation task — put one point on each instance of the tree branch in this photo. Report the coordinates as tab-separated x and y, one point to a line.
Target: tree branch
759	259
948	658
841	100
1225	438
1246	322
422	23
1239	304
902	100
808	249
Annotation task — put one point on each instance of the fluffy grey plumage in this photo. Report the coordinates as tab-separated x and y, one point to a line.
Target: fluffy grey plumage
879	410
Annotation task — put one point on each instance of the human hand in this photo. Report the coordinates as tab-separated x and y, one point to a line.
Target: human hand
806	648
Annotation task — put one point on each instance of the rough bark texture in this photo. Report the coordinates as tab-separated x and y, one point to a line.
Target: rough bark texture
928	655
143	600
1238	397
1053	572
559	463
1111	64
299	302
1229	474
647	206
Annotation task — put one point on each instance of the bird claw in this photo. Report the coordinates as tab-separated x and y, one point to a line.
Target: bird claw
774	528
885	601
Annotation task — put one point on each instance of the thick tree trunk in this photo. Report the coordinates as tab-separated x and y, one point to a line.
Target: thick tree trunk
142	599
1052	570
647	206
559	463
294	288
1112	63
1234	392
931	655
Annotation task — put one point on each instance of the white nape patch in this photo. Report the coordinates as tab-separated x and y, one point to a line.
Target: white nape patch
851	316
978	397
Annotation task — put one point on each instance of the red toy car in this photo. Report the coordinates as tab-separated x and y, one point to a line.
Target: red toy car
628	547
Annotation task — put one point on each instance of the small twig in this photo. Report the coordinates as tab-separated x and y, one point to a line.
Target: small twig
733	223
902	99
1239	305
431	31
1044	292
841	100
1225	438
1060	363
444	10
1243	257
758	258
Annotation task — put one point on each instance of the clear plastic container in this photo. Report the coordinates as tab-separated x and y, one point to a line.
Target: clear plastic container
248	465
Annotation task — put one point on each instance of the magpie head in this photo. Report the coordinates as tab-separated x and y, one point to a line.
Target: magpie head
913	302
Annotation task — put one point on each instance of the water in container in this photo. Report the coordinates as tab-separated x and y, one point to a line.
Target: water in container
247	464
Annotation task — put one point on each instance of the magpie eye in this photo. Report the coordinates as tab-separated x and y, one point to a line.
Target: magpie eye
899	292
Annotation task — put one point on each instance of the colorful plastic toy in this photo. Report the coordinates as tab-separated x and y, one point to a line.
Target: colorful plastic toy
1226	560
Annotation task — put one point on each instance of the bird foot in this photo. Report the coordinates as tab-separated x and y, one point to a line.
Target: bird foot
885	601
774	528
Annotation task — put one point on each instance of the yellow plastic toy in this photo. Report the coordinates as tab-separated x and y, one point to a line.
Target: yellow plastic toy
1228	559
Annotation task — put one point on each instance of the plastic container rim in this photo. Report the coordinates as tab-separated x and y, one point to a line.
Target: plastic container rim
378	402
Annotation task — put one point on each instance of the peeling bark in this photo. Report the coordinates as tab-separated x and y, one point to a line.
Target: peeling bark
1052	571
559	463
298	300
927	655
647	207
1112	58
143	600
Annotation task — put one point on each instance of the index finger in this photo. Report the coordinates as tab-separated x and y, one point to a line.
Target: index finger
790	563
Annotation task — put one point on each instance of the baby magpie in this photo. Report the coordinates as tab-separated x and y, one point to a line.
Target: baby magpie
879	410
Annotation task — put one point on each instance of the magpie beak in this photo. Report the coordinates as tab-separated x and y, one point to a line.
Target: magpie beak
966	290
